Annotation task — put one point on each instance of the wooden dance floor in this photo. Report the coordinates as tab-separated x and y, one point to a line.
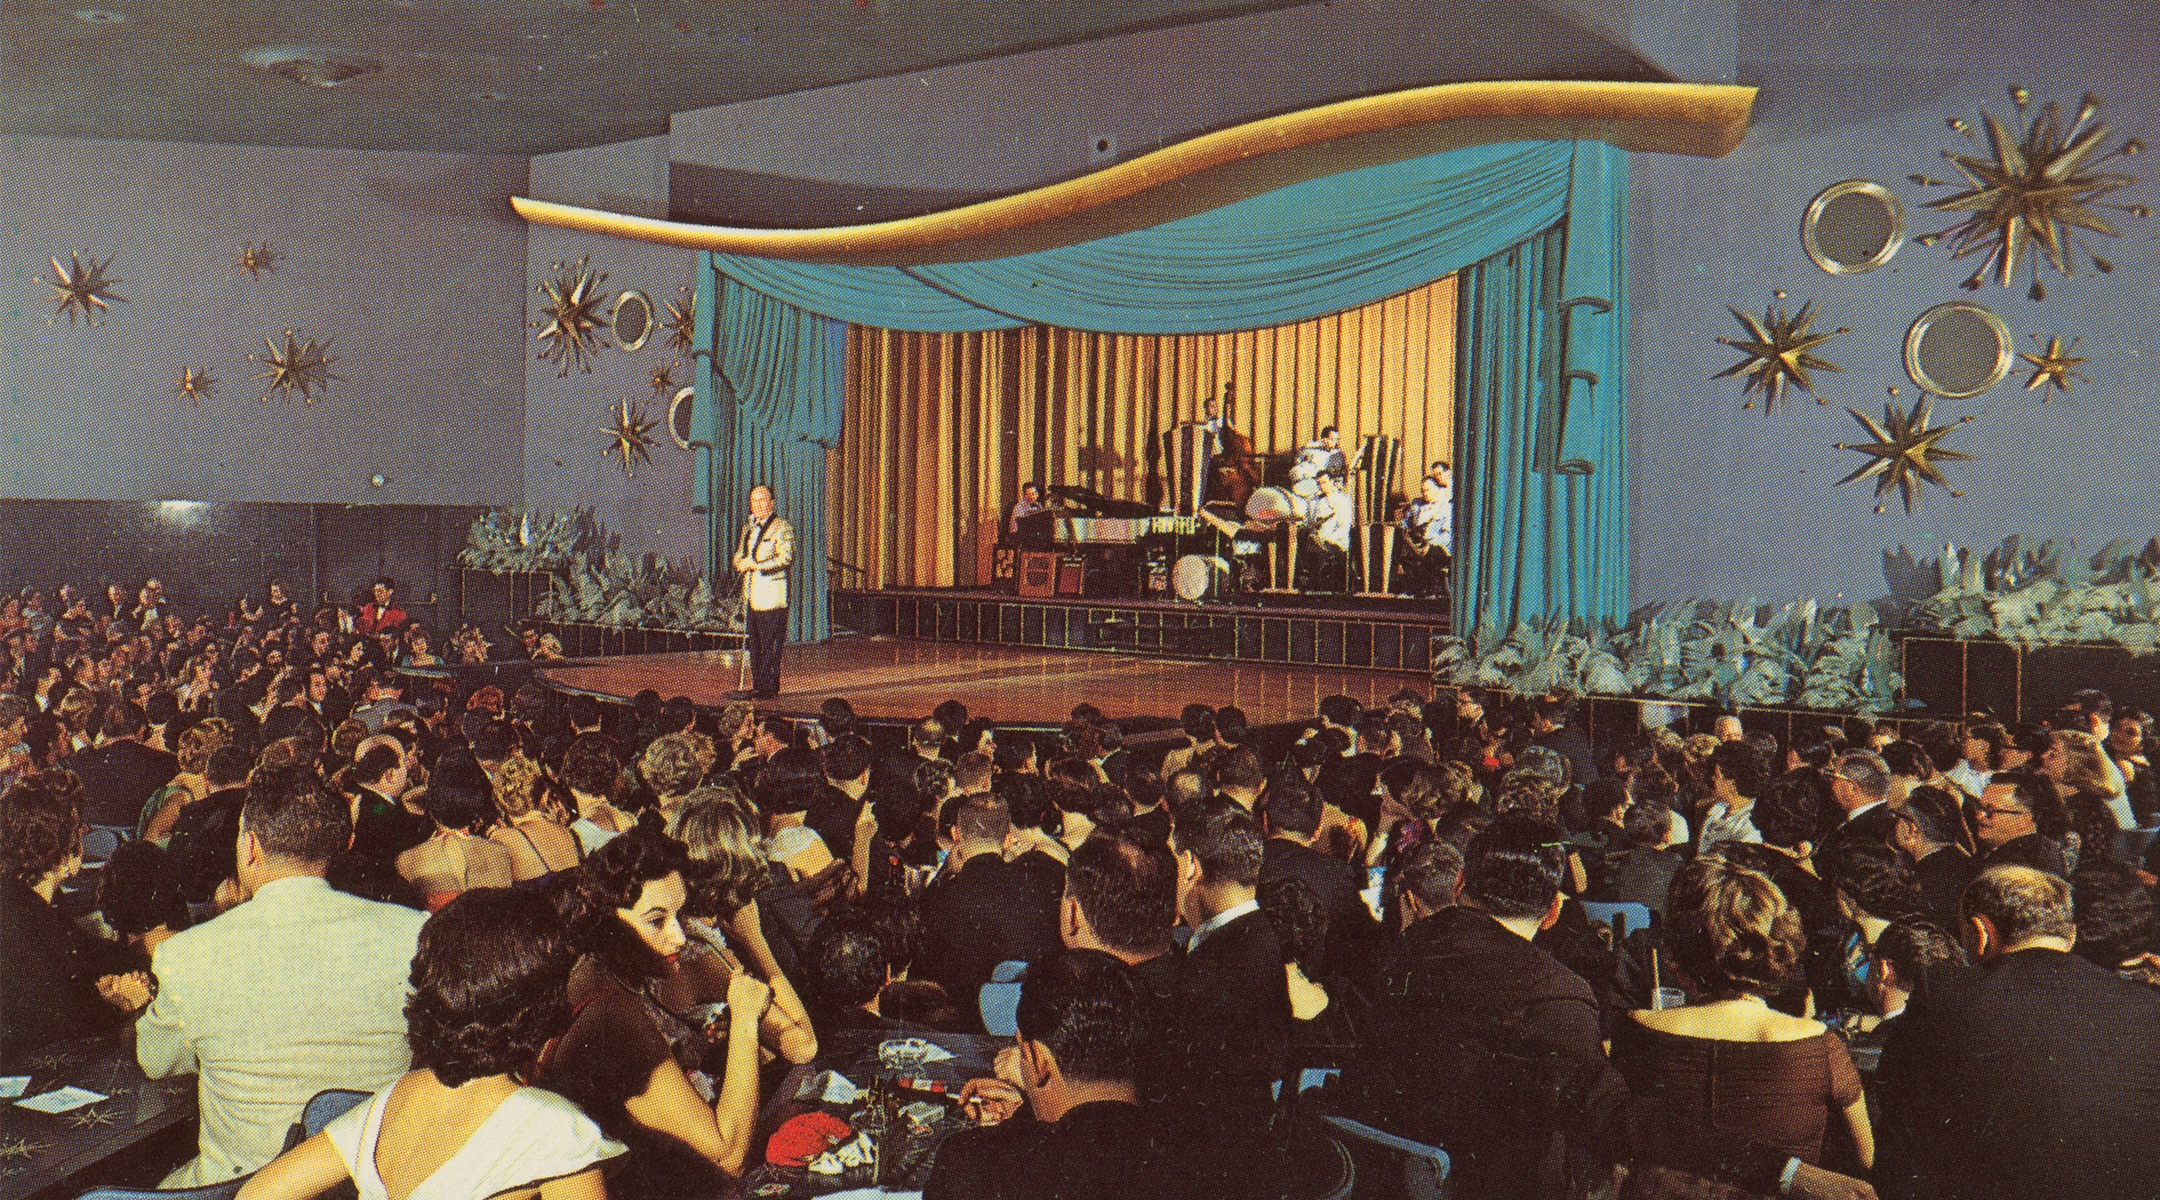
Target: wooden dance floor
891	679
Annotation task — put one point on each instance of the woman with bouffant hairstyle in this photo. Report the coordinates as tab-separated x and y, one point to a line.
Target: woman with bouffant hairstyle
488	998
1727	1054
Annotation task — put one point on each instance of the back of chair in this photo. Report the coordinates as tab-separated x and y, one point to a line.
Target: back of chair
215	1191
321	1109
1394	1168
1623	918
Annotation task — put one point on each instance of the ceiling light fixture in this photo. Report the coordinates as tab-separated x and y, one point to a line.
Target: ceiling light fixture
313	66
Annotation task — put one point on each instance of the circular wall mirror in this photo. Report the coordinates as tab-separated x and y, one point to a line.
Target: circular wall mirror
632	320
678	416
1853	226
1957	350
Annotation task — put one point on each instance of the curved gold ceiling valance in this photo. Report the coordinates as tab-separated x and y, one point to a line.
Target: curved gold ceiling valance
1215	169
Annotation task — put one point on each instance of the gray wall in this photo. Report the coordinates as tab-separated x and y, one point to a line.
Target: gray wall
1730	502
412	262
564	415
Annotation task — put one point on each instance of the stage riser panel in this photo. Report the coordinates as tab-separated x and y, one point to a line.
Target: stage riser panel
1202	632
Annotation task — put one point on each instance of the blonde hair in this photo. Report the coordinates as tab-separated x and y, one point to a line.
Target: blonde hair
518	786
1732	930
197	744
670	765
727	853
2087	770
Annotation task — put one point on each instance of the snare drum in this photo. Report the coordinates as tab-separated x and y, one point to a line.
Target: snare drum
1199	577
1271	504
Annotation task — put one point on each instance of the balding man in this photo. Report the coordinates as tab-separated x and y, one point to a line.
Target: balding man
762	557
2034	1074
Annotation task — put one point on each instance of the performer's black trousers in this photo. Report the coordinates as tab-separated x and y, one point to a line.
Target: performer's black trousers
768	635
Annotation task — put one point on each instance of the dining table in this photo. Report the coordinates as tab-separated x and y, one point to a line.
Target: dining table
41	1150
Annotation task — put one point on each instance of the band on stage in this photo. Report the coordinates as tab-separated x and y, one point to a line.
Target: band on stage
1230	521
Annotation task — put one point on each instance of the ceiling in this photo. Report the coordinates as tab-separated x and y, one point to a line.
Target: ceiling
491	76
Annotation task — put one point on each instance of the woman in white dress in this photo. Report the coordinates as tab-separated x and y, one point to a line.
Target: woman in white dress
489	995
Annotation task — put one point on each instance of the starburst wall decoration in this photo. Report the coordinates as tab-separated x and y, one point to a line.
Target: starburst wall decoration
81	287
1779	352
196	385
2036	189
1904	452
297	367
682	323
2054	365
256	260
630	437
663	380
570	320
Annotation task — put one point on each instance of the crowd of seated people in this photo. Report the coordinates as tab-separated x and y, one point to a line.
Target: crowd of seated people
571	947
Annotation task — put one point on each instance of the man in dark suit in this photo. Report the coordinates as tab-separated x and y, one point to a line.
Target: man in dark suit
1347	781
1927	831
120	773
1121	898
1234	1035
1485	1045
2034	1075
1860	783
982	910
1065	1121
1293	821
1552	727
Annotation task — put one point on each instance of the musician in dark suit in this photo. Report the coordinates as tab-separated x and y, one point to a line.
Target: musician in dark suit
2034	1075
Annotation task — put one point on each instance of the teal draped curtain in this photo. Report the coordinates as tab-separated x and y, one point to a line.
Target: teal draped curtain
771	397
1541	417
1548	388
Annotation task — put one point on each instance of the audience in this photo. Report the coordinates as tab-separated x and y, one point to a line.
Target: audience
1206	902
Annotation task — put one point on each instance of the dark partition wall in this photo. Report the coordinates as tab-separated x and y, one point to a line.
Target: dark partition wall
208	554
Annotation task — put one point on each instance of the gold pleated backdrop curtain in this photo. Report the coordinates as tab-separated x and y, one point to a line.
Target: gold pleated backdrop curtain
943	428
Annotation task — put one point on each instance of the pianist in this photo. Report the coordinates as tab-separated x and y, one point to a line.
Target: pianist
1028	505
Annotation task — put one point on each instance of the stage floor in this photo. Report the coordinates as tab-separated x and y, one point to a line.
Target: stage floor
893	679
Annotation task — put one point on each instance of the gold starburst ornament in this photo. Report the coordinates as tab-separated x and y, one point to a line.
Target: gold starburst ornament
256	260
2055	365
570	319
296	367
91	1118
2035	189
663	380
629	438
1779	351
195	384
682	323
82	288
1904	452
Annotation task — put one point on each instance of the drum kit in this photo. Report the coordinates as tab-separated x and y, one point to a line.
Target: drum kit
1304	508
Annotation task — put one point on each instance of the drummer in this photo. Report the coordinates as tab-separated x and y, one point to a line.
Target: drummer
1316	458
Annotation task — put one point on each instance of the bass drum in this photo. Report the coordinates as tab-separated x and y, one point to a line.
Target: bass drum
1272	504
1199	577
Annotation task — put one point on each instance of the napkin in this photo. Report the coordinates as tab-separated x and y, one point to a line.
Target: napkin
829	1086
61	1100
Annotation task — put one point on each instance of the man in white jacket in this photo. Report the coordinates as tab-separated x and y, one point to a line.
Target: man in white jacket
296	990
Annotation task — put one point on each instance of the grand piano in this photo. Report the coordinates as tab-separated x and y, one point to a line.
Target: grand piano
1103	546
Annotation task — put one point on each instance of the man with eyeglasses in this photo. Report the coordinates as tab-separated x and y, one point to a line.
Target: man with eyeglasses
2020	820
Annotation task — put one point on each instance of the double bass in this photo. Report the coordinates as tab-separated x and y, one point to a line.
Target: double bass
1234	473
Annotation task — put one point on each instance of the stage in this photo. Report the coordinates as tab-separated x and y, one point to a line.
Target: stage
890	679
